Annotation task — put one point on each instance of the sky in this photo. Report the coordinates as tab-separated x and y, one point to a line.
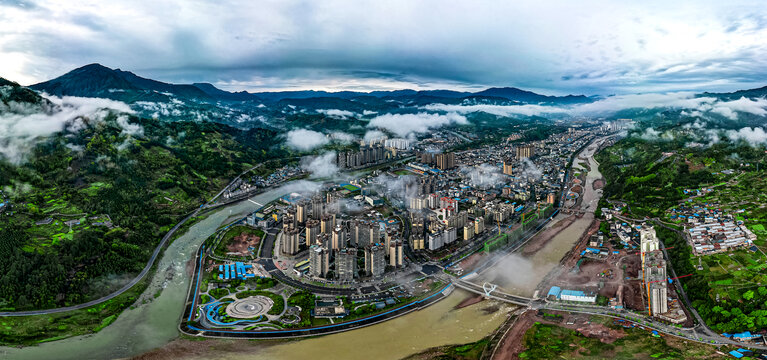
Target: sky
552	47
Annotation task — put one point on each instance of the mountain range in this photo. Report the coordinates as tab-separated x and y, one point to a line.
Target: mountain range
284	110
96	80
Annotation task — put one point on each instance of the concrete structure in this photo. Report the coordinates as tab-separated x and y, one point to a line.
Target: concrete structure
312	230
338	238
327	223
649	241
479	225
302	211
319	261
658	297
290	241
346	264
396	258
526	151
557	293
375	261
417	242
468	231
551	198
507	169
446	161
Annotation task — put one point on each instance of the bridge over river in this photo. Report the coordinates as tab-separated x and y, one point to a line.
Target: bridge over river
699	333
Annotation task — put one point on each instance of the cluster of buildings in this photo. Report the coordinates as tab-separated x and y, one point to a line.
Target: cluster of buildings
617	125
710	230
334	239
241	187
367	155
442	161
237	270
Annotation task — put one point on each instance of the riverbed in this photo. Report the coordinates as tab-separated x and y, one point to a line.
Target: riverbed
519	275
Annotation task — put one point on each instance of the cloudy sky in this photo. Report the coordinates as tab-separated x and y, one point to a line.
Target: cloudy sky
555	47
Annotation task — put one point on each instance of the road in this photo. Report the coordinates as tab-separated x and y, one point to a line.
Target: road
700	333
116	293
144	271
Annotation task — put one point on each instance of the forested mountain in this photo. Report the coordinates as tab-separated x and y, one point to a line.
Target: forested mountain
90	202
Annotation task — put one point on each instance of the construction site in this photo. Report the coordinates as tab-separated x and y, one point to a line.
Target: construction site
633	278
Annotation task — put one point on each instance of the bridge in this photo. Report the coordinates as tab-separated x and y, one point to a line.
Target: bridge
699	333
490	291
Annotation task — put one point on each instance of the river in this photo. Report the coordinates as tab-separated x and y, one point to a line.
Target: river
519	275
154	324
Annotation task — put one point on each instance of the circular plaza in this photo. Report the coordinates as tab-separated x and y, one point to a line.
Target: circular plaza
250	307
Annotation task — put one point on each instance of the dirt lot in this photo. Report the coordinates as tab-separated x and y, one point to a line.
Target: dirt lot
598	184
513	342
240	244
604	275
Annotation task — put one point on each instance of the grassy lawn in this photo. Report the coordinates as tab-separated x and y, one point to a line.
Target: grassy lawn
544	341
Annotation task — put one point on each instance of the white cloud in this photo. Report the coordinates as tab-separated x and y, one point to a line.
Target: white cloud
374	135
754	136
320	166
342	137
336	113
728	109
650	134
676	100
405	124
688	102
305	140
133	130
483	176
500	110
20	133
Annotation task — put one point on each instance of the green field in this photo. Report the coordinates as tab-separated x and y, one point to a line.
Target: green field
350	187
543	341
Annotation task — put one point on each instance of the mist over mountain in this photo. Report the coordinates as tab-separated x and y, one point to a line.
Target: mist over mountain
324	110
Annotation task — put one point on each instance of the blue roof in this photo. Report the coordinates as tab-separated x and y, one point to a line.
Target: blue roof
736	354
744	335
554	291
573	293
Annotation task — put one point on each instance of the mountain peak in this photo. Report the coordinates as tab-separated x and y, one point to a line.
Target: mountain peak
96	80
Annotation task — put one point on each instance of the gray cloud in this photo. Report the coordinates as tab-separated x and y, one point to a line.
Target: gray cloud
399	44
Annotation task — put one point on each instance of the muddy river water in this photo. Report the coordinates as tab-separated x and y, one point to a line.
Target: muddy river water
154	324
521	276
